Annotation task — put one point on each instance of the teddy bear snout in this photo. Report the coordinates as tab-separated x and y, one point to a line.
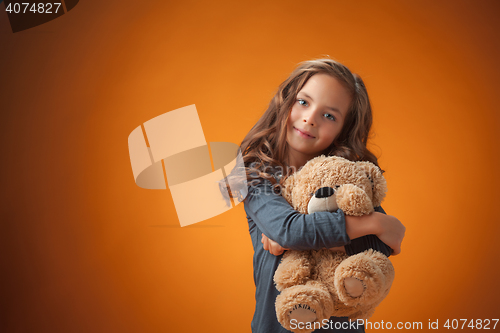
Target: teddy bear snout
323	200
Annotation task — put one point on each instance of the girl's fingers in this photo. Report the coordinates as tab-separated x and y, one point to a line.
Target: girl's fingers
265	242
272	250
276	249
396	251
271	246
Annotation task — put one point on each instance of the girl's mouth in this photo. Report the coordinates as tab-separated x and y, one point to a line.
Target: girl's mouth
303	134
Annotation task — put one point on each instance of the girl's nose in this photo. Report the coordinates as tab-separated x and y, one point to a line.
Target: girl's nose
306	120
309	118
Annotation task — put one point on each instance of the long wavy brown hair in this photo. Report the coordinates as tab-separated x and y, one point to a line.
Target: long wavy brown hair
265	147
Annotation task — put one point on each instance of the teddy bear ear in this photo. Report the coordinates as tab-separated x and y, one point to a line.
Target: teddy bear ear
379	185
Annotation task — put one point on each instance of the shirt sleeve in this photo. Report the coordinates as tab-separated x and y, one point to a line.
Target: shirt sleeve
274	216
363	243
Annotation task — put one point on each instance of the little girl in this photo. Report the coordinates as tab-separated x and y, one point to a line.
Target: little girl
322	108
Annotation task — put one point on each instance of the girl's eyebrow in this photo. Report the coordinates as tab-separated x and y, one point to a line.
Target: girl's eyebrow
328	107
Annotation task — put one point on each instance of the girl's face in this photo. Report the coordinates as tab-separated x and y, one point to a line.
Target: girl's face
316	118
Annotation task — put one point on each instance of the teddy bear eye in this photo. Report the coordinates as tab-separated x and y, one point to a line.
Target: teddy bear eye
371	180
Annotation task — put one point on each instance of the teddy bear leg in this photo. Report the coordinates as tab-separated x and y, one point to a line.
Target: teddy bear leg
363	278
294	269
326	264
302	308
386	267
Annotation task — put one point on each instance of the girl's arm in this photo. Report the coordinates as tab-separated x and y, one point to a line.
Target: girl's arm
391	232
387	228
274	216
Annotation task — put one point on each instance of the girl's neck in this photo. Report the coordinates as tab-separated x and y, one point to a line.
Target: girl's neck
297	160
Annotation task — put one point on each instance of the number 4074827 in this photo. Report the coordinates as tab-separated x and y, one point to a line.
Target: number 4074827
35	8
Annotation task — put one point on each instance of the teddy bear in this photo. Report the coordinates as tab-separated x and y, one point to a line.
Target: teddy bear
317	284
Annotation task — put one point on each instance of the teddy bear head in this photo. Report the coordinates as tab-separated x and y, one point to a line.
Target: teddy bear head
327	183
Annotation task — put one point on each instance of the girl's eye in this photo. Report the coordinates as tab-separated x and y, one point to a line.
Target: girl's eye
329	116
302	102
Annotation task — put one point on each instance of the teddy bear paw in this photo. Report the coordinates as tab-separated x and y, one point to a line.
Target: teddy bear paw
359	280
303	305
353	200
302	313
354	287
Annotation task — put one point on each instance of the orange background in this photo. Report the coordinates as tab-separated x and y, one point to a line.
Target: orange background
83	249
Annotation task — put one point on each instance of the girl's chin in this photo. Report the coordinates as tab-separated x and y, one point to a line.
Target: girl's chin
304	152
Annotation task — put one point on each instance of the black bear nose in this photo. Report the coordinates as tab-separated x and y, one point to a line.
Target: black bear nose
324	192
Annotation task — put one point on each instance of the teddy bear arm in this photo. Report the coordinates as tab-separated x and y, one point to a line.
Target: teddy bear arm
353	200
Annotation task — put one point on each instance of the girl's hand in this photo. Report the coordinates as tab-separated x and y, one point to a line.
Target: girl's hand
271	246
386	227
392	232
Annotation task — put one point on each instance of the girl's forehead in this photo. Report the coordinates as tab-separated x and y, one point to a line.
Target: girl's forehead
326	89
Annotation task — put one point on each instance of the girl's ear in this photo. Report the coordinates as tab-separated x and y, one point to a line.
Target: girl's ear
379	185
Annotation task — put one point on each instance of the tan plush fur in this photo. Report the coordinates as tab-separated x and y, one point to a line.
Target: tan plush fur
314	280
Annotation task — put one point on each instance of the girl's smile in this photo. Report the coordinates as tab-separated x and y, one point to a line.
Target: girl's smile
304	134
